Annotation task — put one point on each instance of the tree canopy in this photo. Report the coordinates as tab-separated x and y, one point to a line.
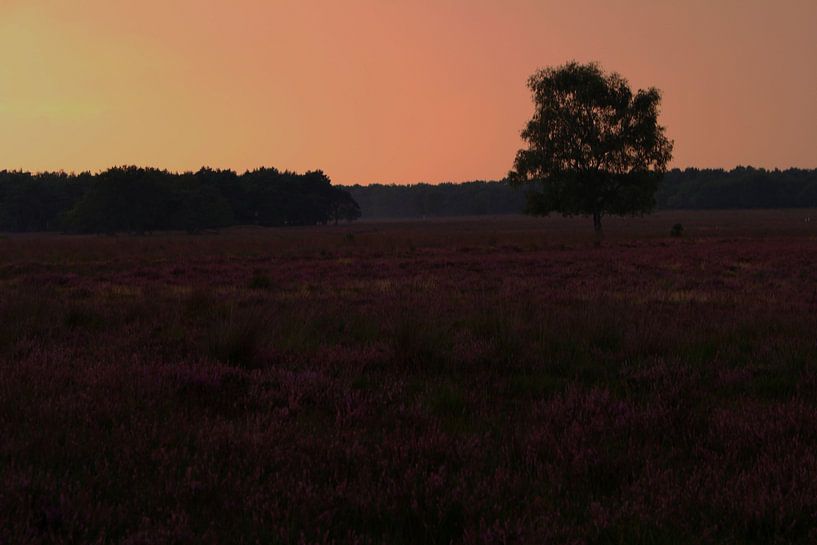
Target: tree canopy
594	146
210	198
140	200
478	198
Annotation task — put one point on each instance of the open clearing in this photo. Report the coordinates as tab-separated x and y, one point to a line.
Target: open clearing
490	380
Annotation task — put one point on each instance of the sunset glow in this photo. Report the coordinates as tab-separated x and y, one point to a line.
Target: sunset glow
387	90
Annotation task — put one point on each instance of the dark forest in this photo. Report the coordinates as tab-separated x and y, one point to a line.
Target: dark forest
689	189
142	200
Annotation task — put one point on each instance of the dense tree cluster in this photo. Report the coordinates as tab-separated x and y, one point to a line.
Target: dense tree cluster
742	187
438	200
129	199
693	189
139	200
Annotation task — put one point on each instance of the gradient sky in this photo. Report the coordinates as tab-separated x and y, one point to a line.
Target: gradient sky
387	90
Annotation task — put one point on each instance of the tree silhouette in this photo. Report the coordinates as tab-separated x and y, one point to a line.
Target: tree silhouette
140	200
594	146
124	199
198	204
209	199
343	207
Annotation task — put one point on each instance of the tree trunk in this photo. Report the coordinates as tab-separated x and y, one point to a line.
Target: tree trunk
597	228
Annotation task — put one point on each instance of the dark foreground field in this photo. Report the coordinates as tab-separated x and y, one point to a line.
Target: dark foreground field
490	381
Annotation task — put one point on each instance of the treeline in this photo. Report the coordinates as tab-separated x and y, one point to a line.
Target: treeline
742	187
141	200
438	200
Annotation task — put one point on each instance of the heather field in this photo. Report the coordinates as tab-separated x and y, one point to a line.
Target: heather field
483	381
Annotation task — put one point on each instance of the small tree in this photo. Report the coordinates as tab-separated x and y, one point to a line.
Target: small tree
594	146
343	206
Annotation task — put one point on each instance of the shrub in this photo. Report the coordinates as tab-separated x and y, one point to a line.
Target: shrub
260	281
677	230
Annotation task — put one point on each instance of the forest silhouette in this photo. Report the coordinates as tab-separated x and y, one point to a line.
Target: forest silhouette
141	200
689	189
130	199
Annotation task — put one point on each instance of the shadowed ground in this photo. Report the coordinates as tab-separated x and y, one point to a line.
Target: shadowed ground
471	381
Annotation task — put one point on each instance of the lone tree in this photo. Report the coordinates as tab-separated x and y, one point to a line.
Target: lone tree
594	147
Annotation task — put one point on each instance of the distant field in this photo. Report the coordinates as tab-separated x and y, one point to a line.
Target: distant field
698	223
478	380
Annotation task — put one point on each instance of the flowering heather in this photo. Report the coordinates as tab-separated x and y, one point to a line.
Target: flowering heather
490	382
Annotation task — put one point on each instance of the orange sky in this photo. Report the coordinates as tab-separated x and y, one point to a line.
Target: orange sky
387	90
